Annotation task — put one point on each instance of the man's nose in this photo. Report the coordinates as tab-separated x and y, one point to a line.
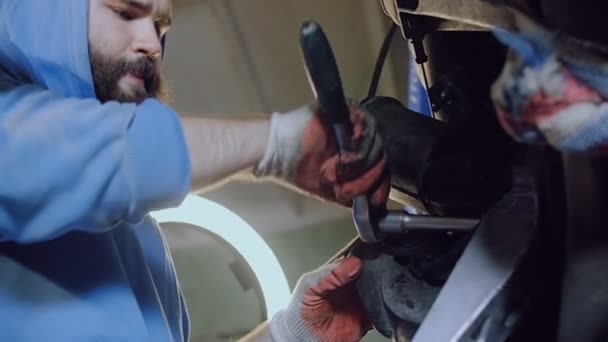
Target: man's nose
147	42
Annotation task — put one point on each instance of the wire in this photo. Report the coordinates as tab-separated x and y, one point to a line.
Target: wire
386	44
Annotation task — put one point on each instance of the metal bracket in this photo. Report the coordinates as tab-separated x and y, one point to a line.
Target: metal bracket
473	304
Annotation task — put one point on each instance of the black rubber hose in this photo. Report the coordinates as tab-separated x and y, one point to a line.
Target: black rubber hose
384	49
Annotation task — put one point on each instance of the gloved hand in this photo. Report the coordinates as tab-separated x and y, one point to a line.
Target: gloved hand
325	307
302	150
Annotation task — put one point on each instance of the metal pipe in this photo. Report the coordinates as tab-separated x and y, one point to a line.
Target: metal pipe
400	222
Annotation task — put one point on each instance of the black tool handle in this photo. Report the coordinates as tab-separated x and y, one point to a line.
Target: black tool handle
325	78
326	83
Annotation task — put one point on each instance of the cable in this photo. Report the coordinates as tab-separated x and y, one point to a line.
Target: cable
386	44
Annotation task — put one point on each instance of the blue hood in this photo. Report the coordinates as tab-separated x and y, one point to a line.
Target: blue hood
80	259
88	164
52	36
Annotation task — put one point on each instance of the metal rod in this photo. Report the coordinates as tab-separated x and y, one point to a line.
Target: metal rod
400	222
437	223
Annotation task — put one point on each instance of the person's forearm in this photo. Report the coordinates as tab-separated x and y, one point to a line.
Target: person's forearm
221	148
259	334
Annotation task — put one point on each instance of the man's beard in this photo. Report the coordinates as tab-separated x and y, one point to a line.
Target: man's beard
107	72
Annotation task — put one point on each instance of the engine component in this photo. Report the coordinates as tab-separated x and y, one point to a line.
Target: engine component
390	292
325	78
483	296
443	165
373	225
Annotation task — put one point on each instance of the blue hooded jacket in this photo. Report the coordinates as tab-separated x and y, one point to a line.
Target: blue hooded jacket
80	259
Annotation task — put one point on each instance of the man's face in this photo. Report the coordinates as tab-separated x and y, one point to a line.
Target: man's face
125	48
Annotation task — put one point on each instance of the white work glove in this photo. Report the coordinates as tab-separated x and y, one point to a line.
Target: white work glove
325	307
302	150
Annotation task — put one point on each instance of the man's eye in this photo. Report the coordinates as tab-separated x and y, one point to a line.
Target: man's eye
124	15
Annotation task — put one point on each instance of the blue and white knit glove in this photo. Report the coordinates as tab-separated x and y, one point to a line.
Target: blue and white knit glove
551	92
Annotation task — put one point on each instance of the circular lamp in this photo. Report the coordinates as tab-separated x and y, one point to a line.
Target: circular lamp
219	220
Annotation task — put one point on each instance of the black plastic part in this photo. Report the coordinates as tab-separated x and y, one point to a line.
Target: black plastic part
369	288
542	271
452	171
389	292
408	137
469	162
582	19
584	312
473	60
325	77
415	28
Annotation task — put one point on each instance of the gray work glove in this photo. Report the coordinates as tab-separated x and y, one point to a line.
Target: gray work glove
325	307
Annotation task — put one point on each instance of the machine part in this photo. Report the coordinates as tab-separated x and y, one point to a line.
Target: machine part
469	162
463	174
436	163
545	264
454	169
374	226
446	94
401	222
407	200
371	224
366	226
409	139
468	62
413	28
403	332
584	297
325	77
436	268
407	296
483	298
369	288
582	19
389	291
475	14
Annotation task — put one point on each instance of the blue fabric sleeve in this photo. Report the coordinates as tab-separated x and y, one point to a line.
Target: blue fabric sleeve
75	164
